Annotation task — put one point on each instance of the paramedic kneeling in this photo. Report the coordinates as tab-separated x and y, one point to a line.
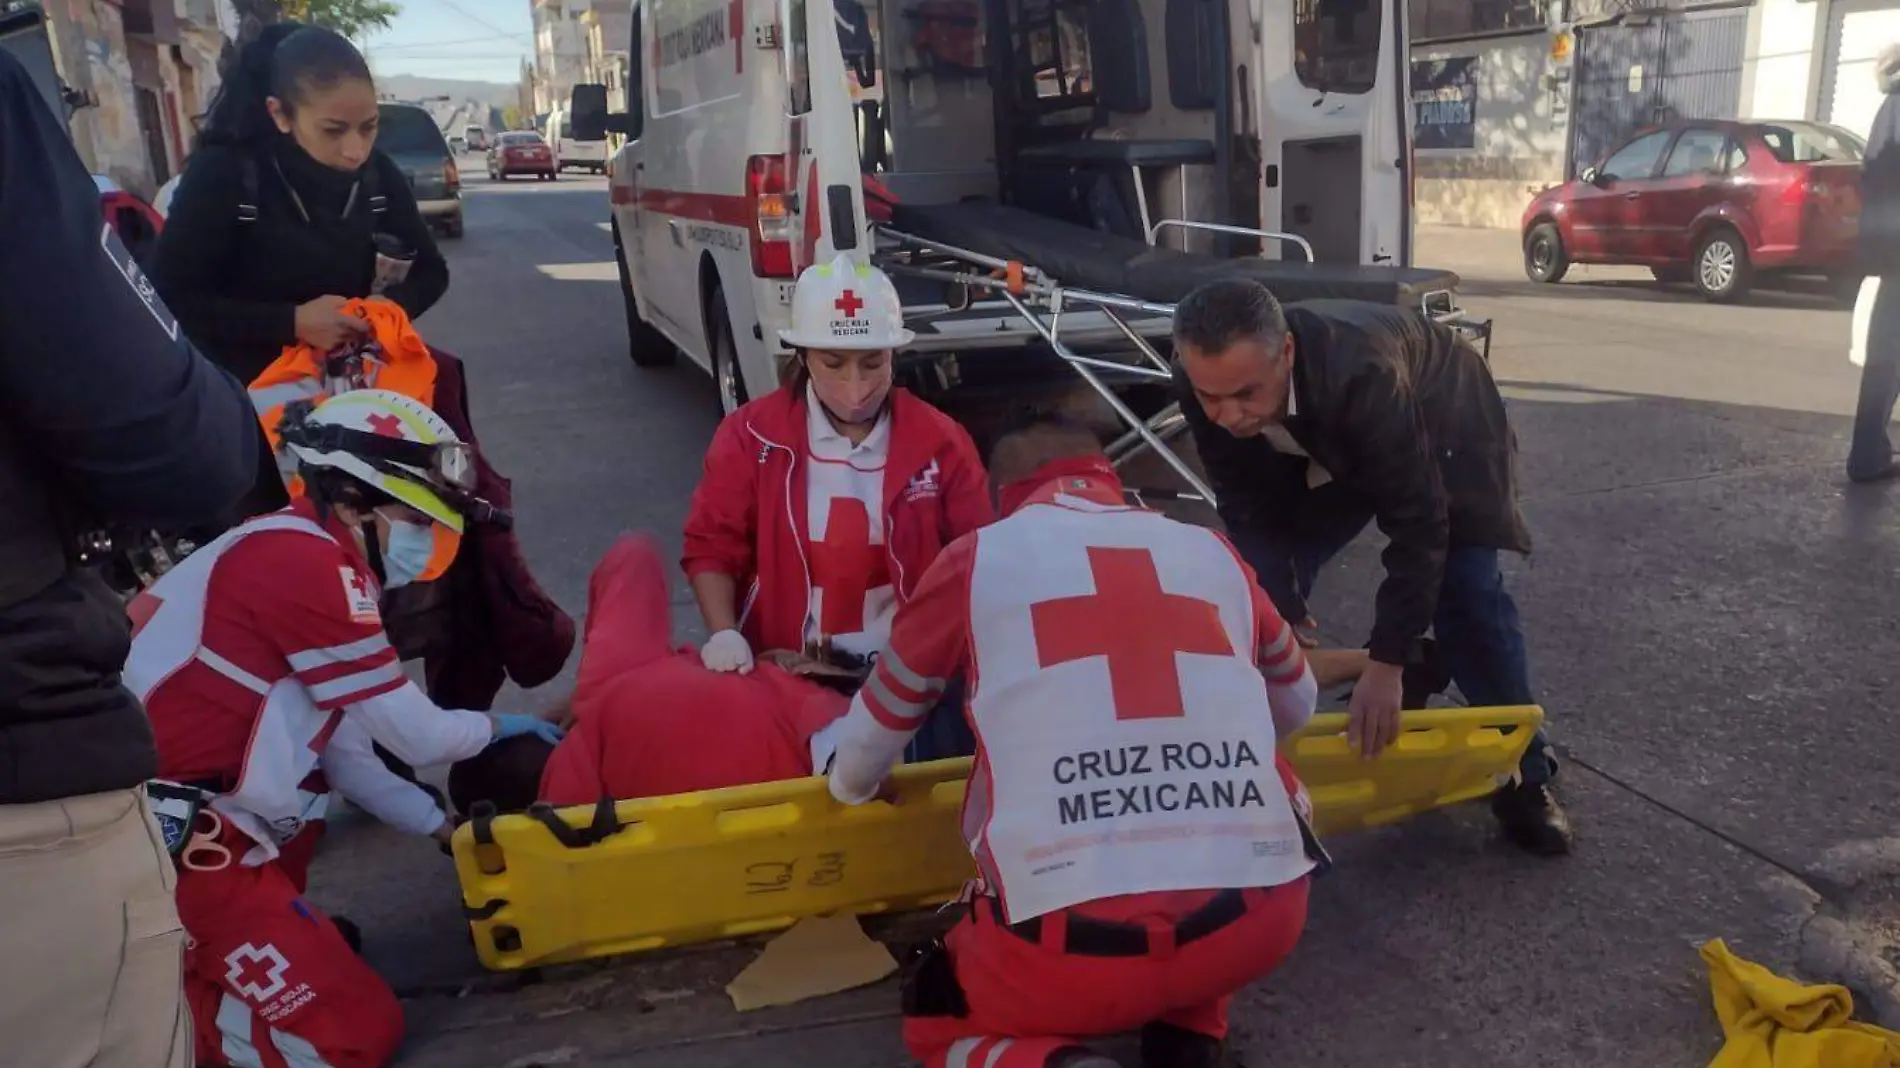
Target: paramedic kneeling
1141	847
263	665
823	502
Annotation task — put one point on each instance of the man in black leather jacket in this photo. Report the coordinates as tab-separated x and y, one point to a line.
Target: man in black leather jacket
108	417
1870	458
1313	421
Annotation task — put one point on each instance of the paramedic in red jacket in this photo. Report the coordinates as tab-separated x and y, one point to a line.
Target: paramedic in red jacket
262	662
643	706
1141	848
823	502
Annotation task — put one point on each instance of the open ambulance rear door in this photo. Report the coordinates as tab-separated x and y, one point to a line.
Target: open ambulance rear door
1335	113
826	216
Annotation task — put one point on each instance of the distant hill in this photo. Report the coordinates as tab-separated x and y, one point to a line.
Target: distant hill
413	87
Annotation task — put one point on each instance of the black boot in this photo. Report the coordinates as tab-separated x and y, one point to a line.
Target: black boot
1164	1045
1079	1057
1532	820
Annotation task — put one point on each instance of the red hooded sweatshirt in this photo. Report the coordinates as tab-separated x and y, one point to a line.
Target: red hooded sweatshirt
651	720
747	518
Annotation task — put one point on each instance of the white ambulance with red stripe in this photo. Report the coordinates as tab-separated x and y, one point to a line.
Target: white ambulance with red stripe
1087	132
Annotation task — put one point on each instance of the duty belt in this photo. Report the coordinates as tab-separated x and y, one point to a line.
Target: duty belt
1087	937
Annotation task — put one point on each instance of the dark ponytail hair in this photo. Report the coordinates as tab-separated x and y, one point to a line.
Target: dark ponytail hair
288	60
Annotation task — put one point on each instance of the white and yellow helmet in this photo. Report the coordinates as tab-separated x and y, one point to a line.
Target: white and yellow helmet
393	443
843	306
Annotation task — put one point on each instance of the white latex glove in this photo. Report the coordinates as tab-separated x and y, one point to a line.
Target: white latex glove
727	651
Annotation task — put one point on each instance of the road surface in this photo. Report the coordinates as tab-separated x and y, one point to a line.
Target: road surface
1710	616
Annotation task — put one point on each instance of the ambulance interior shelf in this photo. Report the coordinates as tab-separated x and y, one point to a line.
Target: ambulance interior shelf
556	886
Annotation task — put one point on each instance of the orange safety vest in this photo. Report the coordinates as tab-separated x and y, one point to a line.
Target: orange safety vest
406	367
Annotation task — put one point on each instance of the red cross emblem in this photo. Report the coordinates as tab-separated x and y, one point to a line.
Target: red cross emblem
1136	625
256	973
849	304
386	425
847	566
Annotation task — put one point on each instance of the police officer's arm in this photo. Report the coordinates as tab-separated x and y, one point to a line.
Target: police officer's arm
353	769
428	276
192	261
1393	463
929	643
1256	501
95	375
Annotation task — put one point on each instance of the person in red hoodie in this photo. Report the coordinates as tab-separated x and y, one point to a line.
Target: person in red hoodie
823	502
647	718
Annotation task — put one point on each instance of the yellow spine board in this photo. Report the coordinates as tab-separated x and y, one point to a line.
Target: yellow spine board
724	863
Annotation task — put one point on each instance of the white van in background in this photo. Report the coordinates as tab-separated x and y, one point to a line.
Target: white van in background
570	151
476	137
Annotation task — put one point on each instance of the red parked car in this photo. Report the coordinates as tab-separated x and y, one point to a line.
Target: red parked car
1714	203
520	152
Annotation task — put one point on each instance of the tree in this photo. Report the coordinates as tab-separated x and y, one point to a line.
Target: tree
511	118
351	18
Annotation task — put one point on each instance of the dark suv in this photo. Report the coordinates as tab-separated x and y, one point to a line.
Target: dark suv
410	137
1712	203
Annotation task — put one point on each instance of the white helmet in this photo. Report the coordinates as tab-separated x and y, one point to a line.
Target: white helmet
390	441
842	307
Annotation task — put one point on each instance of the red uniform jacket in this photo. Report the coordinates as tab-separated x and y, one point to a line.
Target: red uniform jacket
747	517
651	720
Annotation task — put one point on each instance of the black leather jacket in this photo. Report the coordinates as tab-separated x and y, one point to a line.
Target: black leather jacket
107	417
1406	418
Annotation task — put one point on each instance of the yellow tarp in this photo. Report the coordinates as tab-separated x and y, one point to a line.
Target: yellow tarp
698	867
1772	1022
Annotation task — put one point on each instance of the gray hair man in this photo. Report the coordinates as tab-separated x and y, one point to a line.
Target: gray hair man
1317	419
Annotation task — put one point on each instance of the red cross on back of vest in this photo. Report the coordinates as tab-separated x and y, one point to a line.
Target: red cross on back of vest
846	565
1136	625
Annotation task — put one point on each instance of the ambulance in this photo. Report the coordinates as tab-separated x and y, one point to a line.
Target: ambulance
1120	149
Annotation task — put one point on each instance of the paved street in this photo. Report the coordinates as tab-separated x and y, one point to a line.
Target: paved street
1711	615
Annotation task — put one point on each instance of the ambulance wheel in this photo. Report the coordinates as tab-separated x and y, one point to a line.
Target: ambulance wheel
646	347
727	378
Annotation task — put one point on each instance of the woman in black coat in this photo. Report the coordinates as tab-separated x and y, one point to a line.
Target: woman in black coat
277	219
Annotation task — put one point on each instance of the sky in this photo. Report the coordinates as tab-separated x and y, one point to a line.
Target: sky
483	40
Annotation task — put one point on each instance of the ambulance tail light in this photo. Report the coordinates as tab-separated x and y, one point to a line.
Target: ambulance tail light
769	190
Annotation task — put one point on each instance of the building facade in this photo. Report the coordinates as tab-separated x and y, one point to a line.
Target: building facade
560	52
140	72
1513	96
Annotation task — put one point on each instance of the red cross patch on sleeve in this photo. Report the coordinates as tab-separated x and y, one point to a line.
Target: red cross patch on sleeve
359	593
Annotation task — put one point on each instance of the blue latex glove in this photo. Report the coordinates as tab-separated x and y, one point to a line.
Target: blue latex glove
514	725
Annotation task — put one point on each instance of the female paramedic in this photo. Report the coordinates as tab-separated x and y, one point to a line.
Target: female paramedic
823	502
263	665
280	214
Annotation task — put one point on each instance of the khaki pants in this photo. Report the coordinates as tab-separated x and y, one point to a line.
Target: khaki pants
92	946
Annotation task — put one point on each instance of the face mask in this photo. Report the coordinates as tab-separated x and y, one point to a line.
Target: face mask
407	553
851	403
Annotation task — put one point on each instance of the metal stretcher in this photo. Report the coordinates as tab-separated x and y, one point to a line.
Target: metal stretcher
555	886
1048	274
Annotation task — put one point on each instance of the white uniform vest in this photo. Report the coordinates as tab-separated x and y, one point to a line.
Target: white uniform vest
268	803
1127	731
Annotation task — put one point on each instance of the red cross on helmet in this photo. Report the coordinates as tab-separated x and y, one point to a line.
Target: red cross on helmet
842	306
